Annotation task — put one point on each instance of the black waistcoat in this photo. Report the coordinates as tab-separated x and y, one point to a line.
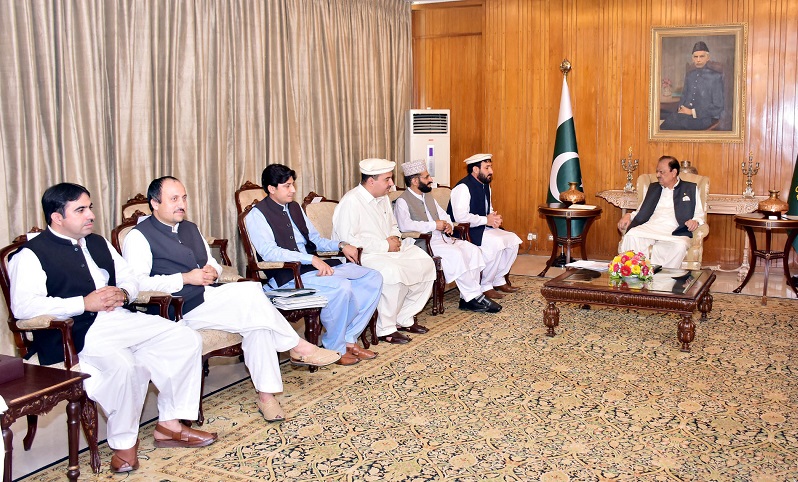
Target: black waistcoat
480	200
283	231
68	276
178	252
683	206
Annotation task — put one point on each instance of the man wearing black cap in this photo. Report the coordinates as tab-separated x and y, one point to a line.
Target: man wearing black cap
702	100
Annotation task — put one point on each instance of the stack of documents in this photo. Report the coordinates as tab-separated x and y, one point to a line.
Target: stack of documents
294	299
591	265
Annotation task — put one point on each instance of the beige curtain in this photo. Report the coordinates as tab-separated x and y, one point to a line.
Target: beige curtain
111	94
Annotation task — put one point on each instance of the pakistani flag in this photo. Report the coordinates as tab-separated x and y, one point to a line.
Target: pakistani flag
792	200
565	165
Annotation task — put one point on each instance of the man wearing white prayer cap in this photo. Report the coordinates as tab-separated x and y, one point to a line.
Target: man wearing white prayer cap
364	218
462	262
471	203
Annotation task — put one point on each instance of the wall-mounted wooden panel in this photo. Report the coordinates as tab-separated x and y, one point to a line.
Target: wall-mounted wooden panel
496	63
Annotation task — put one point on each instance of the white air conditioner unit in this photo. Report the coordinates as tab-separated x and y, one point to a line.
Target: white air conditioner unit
428	139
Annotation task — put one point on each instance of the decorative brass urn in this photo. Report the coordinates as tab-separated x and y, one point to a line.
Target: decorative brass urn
574	195
687	167
773	206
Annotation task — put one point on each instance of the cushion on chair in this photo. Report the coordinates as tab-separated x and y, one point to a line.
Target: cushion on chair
321	214
229	275
213	340
36	323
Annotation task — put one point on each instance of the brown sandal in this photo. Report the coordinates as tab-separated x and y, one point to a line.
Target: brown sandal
120	462
186	437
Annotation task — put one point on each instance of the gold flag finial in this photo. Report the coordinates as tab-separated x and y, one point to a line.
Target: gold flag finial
565	66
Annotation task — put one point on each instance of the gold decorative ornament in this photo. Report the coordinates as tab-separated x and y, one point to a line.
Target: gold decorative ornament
565	66
572	195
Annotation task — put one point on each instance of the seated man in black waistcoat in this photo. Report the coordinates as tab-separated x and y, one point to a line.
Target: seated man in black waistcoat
169	254
471	202
68	272
280	231
666	219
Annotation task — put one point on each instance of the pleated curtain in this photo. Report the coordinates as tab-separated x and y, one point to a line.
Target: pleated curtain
111	94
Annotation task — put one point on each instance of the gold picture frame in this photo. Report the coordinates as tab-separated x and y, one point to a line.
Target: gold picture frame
714	117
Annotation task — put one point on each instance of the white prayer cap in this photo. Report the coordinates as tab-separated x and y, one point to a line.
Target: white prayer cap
478	158
372	167
414	167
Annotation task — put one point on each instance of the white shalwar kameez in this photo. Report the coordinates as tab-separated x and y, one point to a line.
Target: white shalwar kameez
234	307
367	222
499	247
461	261
667	250
123	350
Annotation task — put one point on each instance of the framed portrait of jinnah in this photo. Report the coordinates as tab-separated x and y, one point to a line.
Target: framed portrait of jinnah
697	83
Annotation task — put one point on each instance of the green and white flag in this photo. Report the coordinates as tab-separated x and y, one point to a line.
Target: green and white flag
792	200
565	163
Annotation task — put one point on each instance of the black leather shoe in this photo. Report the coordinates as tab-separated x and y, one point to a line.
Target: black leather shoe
480	304
414	328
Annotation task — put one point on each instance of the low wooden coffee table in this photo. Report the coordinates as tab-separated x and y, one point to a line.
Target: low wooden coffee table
674	291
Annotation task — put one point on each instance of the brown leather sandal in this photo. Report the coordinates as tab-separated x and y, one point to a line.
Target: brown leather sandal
187	437
120	461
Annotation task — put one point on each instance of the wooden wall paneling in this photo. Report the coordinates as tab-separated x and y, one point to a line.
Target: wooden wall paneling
609	44
448	60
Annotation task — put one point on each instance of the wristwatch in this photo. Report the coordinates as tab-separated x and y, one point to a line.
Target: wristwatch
342	244
125	301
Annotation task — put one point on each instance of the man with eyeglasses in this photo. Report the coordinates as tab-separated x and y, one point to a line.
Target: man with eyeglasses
461	261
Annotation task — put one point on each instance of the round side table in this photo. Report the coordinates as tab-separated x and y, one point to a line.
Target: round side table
551	211
760	221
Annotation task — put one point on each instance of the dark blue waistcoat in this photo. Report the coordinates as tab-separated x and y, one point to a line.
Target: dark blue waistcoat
68	276
480	199
178	252
683	205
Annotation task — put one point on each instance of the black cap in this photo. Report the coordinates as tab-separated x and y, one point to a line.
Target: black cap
700	46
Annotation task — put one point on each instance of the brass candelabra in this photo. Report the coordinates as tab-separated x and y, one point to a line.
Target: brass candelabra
629	165
750	170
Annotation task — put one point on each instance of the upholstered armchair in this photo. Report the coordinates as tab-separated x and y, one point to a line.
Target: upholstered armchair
695	252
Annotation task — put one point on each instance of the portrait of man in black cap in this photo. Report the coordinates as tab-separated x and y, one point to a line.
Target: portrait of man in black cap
702	102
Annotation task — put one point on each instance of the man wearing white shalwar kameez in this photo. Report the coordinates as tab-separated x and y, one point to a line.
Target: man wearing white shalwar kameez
68	272
666	219
364	218
471	202
461	261
169	254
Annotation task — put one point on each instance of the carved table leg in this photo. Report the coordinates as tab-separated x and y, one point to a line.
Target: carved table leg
686	331
88	418
8	441
73	422
551	318
705	305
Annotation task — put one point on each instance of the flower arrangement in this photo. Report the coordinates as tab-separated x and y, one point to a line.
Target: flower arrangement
631	264
667	87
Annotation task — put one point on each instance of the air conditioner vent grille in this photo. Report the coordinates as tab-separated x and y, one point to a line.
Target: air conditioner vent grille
424	123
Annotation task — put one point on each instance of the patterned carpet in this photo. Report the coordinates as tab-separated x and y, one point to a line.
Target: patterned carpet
490	397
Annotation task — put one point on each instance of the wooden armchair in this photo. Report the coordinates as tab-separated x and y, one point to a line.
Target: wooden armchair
22	331
215	343
695	253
